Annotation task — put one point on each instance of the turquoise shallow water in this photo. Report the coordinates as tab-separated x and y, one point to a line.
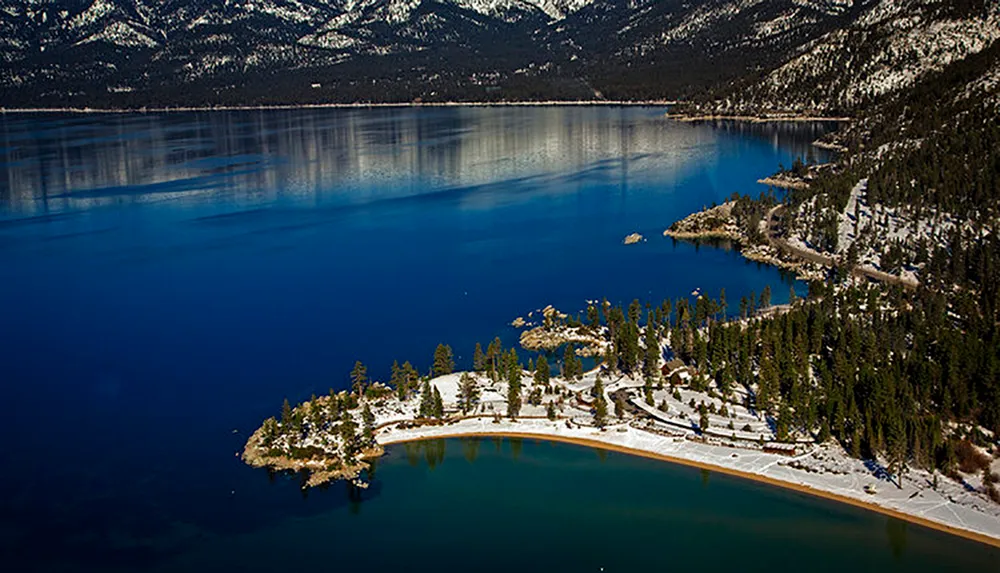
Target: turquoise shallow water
167	279
523	505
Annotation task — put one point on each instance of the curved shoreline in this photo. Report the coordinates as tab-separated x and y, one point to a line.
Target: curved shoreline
595	444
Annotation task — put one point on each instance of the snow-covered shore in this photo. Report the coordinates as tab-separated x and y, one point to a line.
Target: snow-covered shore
823	470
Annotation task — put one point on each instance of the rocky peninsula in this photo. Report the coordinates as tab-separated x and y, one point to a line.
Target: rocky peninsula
632	400
753	238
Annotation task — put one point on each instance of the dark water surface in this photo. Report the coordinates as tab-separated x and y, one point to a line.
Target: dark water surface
166	279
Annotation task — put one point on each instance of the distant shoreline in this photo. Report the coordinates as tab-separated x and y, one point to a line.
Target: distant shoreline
681	117
582	103
597	444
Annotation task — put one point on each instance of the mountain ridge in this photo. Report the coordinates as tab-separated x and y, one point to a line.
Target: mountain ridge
727	56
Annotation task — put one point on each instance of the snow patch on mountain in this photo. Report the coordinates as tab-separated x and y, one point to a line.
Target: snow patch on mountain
826	6
120	34
705	17
331	40
93	14
888	48
920	49
784	23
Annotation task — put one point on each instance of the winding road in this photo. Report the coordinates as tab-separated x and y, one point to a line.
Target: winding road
826	260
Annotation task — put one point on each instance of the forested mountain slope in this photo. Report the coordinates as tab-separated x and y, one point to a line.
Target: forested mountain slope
750	55
888	48
903	372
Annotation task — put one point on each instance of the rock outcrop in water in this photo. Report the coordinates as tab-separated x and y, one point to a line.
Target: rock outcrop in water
633	239
721	223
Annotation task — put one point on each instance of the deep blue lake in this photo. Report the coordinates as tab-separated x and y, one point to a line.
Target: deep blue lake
167	279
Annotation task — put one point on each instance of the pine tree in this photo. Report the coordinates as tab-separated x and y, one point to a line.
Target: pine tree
359	377
348	435
268	431
411	375
513	368
783	423
634	311
619	406
765	297
572	367
896	447
600	404
444	363
368	419
494	356
286	414
478	359
315	413
513	397
542	370
426	400
398	381
438	405
468	393
651	363
550	410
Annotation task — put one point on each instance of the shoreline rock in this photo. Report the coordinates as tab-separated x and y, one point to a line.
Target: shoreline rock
713	223
321	470
784	182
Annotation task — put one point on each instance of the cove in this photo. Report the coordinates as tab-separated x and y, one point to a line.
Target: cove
493	504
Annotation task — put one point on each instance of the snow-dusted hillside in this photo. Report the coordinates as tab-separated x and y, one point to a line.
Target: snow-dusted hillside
894	240
789	54
889	47
56	47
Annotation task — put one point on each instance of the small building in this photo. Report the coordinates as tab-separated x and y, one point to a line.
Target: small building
677	373
779	448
